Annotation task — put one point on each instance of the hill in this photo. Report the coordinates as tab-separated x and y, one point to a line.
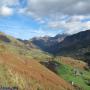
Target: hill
28	74
46	63
72	70
21	47
17	69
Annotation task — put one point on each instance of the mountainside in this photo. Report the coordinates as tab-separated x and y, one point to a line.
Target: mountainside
76	46
72	70
46	63
48	43
21	69
21	47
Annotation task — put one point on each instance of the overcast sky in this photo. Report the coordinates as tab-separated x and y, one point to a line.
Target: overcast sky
28	18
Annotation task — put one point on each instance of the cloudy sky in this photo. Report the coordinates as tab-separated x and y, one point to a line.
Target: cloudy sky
28	18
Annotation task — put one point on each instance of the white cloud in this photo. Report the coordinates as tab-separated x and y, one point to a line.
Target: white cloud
7	7
72	25
6	11
55	24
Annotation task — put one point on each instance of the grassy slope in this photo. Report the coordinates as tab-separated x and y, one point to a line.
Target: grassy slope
65	70
17	47
15	70
18	68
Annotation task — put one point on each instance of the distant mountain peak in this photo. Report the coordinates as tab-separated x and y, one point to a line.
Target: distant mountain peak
46	43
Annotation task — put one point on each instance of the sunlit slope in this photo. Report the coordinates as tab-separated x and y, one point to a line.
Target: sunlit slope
27	74
17	46
71	70
75	63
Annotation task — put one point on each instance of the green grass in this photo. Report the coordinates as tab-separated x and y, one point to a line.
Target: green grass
66	72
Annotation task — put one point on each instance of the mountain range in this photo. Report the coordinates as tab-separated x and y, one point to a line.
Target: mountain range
76	45
47	43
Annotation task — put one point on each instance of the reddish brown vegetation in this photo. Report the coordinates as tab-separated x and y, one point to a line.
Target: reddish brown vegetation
32	69
73	62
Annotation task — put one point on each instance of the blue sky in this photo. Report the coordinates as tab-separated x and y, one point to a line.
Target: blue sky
30	18
23	27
